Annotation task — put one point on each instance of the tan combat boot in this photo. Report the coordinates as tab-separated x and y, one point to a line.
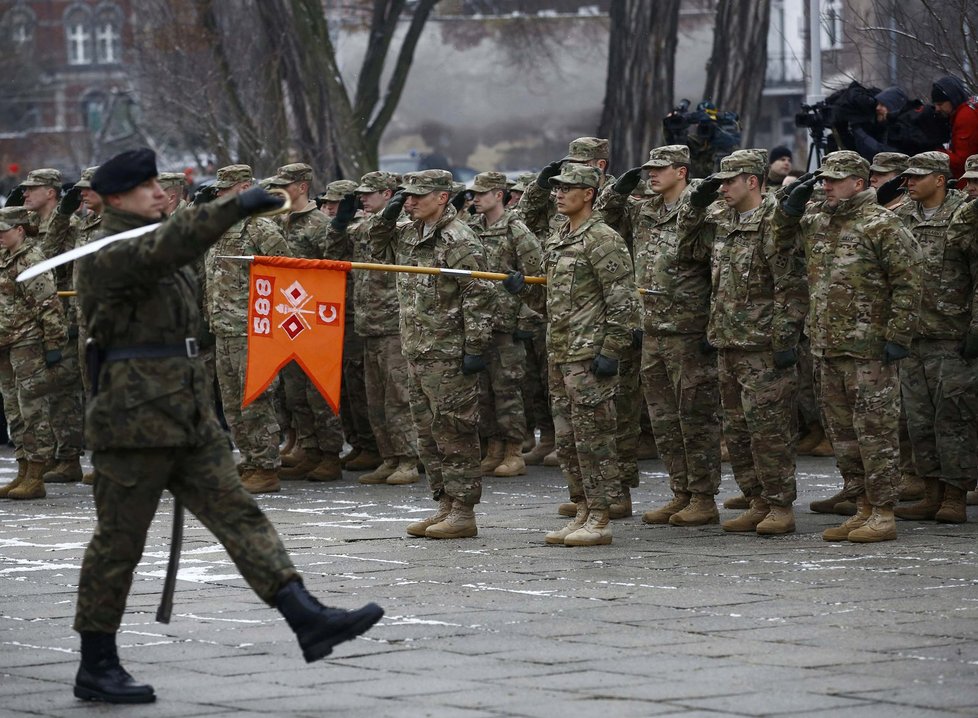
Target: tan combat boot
953	508
536	455
646	447
662	514
827	506
329	469
350	455
551	459
89	478
596	531
779	520
363	461
824	448
567	509
972	499
558	536
701	510
512	463
814	437
841	533
911	487
748	521
32	487
460	523
419	527
407	472
925	509
622	508
880	526
528	443
739	503
68	471
494	457
308	460
381	473
291	458
18	480
261	481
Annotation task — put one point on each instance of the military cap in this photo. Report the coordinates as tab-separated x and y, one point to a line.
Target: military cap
489	181
578	175
232	175
85	182
125	171
523	180
173	179
46	177
457	187
11	217
928	163
377	182
752	162
419	183
842	164
585	149
288	174
668	155
971	168
335	191
889	162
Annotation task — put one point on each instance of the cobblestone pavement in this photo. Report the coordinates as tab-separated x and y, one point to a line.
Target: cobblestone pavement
663	622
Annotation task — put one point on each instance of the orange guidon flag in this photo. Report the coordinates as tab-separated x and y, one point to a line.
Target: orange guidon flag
296	311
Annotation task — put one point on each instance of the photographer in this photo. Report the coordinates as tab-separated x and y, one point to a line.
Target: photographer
951	99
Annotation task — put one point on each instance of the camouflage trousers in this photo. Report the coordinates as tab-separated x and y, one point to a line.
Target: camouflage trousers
388	397
940	395
65	403
254	428
317	427
628	413
807	402
445	409
760	423
860	400
585	426
354	415
128	486
683	395
501	414
25	382
536	392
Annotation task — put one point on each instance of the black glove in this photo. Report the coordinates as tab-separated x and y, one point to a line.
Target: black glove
705	193
257	200
786	358
345	212
458	201
52	357
890	190
706	347
628	181
522	335
70	202
394	206
514	282
794	204
548	173
473	364
603	366
204	195
16	197
969	347
637	336
894	352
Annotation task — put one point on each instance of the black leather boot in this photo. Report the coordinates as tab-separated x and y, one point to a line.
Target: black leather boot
318	627
100	676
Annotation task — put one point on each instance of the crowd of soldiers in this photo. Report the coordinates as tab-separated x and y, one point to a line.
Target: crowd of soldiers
739	314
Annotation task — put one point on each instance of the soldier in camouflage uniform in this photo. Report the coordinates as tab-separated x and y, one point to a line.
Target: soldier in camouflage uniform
175	186
864	286
33	334
255	427
757	304
446	330
970	177
517	189
509	247
679	367
151	426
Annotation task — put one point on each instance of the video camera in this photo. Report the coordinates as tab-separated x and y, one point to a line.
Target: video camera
709	133
814	117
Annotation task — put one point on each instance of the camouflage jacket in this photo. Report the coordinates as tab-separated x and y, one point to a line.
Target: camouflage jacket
443	316
678	301
948	264
29	311
758	295
376	312
307	234
509	247
863	275
143	292
85	231
226	283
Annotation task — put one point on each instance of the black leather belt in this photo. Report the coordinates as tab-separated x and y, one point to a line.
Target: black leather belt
153	351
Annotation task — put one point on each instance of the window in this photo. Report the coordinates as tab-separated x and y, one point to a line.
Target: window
832	24
108	34
19	26
78	34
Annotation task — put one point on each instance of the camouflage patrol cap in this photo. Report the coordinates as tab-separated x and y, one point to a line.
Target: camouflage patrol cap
667	155
522	180
426	181
11	217
929	163
288	174
889	162
585	149
377	182
457	187
489	181
751	162
971	168
232	175
843	164
45	177
578	176
173	179
335	191
85	182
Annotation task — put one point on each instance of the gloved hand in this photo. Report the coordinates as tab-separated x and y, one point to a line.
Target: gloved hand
637	336
16	197
345	212
706	193
514	282
794	204
473	364
890	190
204	195
394	206
786	358
894	352
628	181
706	347
458	201
604	366
522	335
548	173
969	347
70	202
52	357
257	200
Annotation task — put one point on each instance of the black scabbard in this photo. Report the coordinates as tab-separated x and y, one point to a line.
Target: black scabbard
173	565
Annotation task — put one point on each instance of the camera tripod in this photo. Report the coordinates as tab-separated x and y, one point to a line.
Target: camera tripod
817	147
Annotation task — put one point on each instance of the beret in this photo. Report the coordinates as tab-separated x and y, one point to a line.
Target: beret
125	171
